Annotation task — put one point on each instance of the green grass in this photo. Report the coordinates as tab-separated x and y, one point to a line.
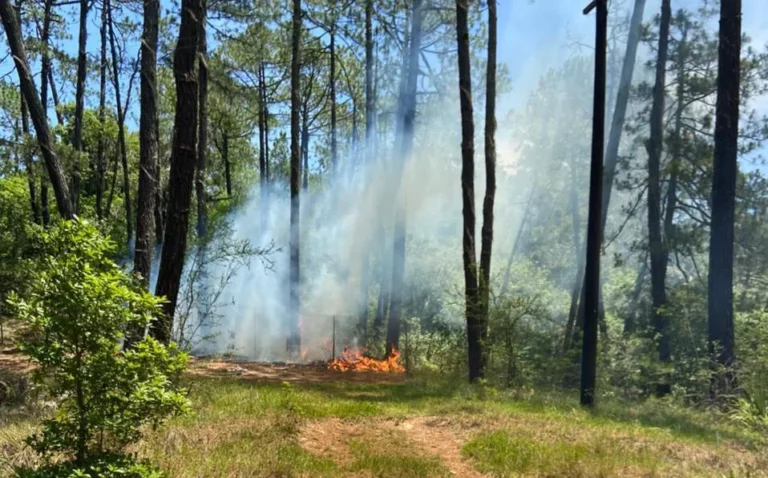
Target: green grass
254	429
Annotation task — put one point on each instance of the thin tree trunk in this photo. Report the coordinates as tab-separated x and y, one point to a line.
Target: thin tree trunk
332	87
720	323
472	296
369	117
594	230
101	165
579	261
120	125
182	173
227	166
293	344
408	104
148	143
161	200
36	112
82	71
28	165
617	125
202	136
305	144
263	173
490	186
656	246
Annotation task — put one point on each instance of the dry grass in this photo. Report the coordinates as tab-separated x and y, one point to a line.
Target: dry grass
292	422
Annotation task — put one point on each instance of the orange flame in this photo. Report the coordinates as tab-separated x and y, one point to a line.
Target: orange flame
354	360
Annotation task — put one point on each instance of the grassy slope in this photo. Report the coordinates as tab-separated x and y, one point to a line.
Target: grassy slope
247	429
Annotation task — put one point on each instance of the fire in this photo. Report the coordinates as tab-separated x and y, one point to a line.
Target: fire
354	360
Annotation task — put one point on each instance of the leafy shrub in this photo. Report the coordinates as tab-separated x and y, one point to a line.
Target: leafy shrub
103	466
78	305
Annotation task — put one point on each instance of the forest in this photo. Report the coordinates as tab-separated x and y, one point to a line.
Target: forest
383	238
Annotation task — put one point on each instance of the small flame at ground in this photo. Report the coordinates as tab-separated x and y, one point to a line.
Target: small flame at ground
354	360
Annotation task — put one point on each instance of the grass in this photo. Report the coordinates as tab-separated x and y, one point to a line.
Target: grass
251	429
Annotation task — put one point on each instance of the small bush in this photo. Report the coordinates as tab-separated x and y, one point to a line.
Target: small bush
103	466
78	305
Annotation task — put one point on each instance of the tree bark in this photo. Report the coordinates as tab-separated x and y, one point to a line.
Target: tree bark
227	166
594	221
720	285
656	247
148	143
182	173
120	125
101	165
617	126
471	287
27	86
408	110
293	344
332	87
28	162
490	180
202	136
82	71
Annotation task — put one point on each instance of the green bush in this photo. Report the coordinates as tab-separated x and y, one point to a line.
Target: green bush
77	307
103	466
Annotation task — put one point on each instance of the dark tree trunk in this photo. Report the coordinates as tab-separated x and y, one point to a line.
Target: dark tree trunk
293	344
148	143
82	71
594	221
305	144
202	136
161	200
227	166
720	324
101	160
408	105
263	175
471	286
46	75
182	173
120	125
655	243
617	125
28	164
27	86
332	87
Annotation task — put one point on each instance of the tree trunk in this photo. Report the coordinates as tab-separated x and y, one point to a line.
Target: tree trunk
263	179
36	112
579	261
161	200
408	105
305	144
120	125
182	173
227	166
370	102
617	125
148	143
656	246
202	137
490	184
82	71
472	296
101	159
293	344
332	87
720	324
28	164
594	221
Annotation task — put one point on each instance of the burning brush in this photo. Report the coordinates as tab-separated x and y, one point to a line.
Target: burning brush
354	360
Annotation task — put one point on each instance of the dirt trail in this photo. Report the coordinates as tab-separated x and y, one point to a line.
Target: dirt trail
436	436
433	436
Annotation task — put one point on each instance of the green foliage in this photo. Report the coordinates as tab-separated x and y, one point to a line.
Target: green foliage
103	466
78	305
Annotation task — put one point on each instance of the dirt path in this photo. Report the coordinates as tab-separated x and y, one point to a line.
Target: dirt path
436	436
432	436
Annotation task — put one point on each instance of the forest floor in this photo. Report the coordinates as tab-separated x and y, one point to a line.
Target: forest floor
258	420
